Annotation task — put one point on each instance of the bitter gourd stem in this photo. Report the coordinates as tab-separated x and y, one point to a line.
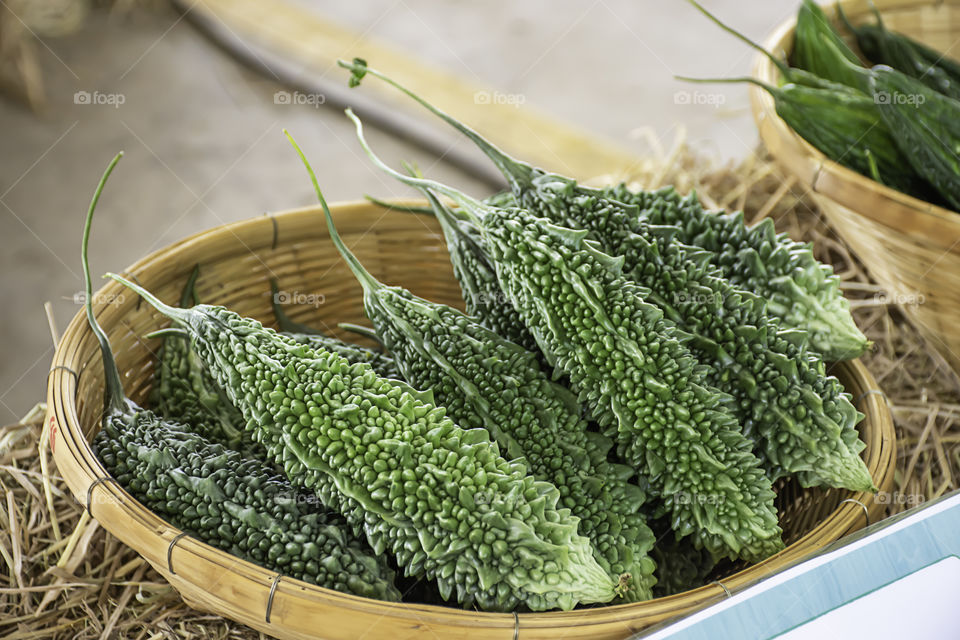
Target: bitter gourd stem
472	208
367	281
114	398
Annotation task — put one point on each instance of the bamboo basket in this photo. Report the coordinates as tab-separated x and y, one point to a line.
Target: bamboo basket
236	261
910	247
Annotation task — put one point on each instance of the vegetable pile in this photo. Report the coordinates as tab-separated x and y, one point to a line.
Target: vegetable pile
894	121
604	424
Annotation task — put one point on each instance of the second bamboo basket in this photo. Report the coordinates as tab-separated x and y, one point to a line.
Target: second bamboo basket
911	247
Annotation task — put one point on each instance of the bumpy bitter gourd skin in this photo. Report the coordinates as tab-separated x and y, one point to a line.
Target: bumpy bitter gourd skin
799	289
211	490
632	373
184	391
803	292
639	381
380	362
399	470
800	418
485	381
238	504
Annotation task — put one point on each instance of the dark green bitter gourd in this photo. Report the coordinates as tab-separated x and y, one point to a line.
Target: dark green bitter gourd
240	505
882	46
840	120
631	372
217	495
485	381
184	391
399	470
809	53
926	121
927	125
380	362
804	293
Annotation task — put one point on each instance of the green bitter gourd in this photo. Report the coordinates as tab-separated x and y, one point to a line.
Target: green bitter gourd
631	372
229	502
486	381
804	293
398	469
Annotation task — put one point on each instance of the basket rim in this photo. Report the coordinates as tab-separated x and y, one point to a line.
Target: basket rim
826	175
75	450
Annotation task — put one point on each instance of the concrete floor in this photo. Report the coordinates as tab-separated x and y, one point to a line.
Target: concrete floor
203	138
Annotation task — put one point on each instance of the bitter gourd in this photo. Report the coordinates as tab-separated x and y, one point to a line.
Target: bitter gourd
929	136
485	381
380	362
398	469
800	418
184	392
213	492
240	505
882	46
631	372
804	293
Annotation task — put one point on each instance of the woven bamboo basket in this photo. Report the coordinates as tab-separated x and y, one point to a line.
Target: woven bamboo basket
236	262
911	247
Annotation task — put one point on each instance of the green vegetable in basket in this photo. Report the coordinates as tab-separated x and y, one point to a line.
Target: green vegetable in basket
927	125
846	125
926	122
882	46
217	495
239	505
184	391
804	293
485	381
398	469
809	53
380	362
481	293
631	372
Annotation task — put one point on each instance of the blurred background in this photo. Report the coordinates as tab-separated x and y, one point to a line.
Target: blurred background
197	93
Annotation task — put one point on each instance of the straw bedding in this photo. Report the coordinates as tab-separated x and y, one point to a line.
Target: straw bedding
66	577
